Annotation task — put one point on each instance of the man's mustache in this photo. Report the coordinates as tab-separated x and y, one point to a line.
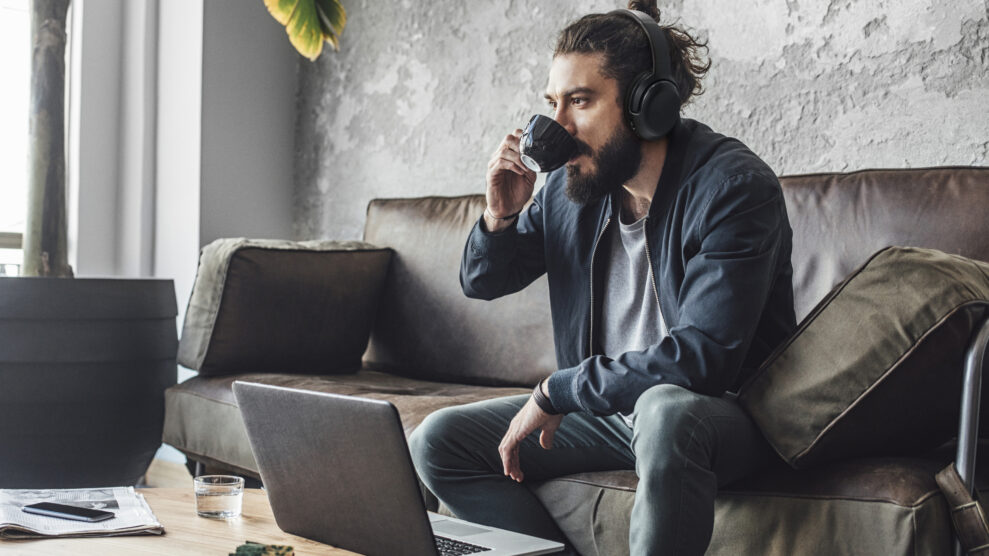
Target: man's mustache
582	148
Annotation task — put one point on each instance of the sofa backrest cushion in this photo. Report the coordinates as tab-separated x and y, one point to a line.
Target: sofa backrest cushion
876	368
426	328
840	220
282	306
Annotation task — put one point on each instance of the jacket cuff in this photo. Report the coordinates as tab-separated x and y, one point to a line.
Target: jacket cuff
562	390
496	246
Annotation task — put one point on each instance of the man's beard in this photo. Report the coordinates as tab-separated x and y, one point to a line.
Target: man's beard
616	163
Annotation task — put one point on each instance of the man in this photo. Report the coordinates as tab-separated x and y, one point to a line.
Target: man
669	273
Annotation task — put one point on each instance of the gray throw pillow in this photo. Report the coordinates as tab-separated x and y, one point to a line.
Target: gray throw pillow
876	367
282	306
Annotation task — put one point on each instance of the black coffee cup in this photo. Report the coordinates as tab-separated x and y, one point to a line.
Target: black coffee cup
545	144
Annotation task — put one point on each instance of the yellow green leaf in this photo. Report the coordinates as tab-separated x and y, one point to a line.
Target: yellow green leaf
332	18
281	10
310	22
304	31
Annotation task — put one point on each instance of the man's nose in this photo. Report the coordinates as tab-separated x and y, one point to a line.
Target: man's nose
563	118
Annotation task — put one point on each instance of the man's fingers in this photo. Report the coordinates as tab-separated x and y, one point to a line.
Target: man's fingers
509	450
516	465
513	464
511	154
504	450
510	142
510	461
508	152
507	165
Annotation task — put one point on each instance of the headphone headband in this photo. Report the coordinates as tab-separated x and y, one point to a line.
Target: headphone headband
657	41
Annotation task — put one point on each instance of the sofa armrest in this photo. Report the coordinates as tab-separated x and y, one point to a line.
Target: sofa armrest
968	424
968	420
271	305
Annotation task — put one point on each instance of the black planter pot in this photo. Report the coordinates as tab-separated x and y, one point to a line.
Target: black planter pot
84	364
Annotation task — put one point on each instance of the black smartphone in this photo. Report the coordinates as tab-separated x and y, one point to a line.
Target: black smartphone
63	511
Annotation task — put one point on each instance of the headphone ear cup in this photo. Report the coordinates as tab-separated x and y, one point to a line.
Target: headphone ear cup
633	101
636	90
659	110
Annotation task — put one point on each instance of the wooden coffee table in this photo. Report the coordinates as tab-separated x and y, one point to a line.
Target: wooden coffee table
185	532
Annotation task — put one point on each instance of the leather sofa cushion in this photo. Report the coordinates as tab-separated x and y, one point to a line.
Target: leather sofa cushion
299	307
841	219
876	368
889	506
427	328
202	419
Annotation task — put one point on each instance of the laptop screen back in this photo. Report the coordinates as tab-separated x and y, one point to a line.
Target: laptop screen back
337	469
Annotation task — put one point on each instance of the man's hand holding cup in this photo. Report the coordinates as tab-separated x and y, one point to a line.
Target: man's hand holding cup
543	146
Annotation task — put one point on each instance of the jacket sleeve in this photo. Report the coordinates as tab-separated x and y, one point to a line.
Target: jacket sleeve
739	233
499	263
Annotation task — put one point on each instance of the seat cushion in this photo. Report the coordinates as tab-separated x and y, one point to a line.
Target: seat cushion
202	419
888	506
876	368
299	307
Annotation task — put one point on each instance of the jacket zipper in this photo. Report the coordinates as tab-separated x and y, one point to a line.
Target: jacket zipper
652	276
590	336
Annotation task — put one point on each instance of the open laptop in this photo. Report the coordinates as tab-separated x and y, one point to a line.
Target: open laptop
337	470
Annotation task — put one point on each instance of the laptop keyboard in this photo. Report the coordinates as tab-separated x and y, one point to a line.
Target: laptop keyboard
450	547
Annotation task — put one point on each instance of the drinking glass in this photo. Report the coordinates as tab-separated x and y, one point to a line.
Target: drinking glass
219	496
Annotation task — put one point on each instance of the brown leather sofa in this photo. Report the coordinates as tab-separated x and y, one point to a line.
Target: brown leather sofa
431	347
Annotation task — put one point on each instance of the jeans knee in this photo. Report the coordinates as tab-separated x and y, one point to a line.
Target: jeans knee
667	419
441	442
429	435
664	405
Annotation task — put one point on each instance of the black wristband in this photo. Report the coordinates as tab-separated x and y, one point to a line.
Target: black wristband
542	400
509	217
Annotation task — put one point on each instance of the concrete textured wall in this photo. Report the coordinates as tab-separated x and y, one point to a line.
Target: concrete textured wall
422	92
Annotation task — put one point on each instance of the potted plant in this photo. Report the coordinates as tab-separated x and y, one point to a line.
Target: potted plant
83	362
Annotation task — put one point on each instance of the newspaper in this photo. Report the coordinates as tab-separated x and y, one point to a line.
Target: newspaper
133	515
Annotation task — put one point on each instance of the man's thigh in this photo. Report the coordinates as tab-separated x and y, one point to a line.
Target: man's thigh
581	443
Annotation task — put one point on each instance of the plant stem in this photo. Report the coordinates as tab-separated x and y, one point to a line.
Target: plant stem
45	244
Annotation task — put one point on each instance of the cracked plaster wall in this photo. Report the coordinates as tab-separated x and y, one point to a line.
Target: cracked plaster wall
421	93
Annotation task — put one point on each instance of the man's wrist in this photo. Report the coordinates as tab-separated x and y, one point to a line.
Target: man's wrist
495	224
501	218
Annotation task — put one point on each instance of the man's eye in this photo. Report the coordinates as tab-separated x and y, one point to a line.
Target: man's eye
578	100
552	105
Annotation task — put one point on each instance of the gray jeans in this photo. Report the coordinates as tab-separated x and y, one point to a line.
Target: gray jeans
682	446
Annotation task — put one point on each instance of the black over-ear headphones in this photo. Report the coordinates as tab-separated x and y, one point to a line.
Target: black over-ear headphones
652	103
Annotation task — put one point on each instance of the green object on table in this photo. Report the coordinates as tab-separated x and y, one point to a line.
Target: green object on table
250	548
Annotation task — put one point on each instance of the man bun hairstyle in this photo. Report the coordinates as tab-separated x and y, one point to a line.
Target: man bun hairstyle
626	49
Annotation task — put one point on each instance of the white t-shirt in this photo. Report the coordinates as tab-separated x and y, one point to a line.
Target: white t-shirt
630	314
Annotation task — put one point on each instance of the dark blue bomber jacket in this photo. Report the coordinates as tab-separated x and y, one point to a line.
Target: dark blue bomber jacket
718	240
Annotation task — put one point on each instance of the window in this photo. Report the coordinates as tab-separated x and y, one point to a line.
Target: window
15	67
